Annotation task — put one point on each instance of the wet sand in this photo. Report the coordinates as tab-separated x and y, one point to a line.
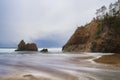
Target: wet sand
26	77
55	67
113	59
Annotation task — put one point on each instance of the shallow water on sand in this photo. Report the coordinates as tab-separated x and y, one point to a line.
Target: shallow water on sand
54	66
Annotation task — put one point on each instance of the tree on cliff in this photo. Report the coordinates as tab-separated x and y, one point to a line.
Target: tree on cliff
114	10
101	12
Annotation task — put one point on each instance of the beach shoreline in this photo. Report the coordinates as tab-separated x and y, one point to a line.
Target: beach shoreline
113	59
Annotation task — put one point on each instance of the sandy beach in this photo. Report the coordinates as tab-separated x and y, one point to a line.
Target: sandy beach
113	59
27	76
17	66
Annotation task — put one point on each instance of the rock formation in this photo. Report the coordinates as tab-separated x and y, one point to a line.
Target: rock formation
44	50
97	36
22	46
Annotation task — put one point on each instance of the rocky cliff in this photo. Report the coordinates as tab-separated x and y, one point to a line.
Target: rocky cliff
22	46
97	36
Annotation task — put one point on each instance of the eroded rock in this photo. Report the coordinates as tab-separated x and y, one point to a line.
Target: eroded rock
22	46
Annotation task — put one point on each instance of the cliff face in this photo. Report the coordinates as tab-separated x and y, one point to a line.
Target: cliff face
97	36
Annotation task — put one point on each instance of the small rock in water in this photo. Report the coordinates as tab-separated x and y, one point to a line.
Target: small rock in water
44	50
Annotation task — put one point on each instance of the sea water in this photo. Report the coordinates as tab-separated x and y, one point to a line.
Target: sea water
55	65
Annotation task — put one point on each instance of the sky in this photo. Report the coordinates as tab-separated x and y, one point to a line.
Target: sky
48	23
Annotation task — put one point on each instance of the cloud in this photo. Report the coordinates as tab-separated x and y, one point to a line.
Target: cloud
34	20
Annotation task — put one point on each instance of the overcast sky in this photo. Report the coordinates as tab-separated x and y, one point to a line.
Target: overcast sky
49	23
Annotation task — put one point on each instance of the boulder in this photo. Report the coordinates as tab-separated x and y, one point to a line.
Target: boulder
22	46
44	50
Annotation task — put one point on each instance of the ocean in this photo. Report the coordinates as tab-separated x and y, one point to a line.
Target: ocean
54	65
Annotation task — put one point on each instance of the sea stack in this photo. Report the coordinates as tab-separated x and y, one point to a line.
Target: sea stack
97	36
22	46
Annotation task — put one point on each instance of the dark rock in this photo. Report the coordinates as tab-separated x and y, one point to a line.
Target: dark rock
44	50
31	47
22	46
